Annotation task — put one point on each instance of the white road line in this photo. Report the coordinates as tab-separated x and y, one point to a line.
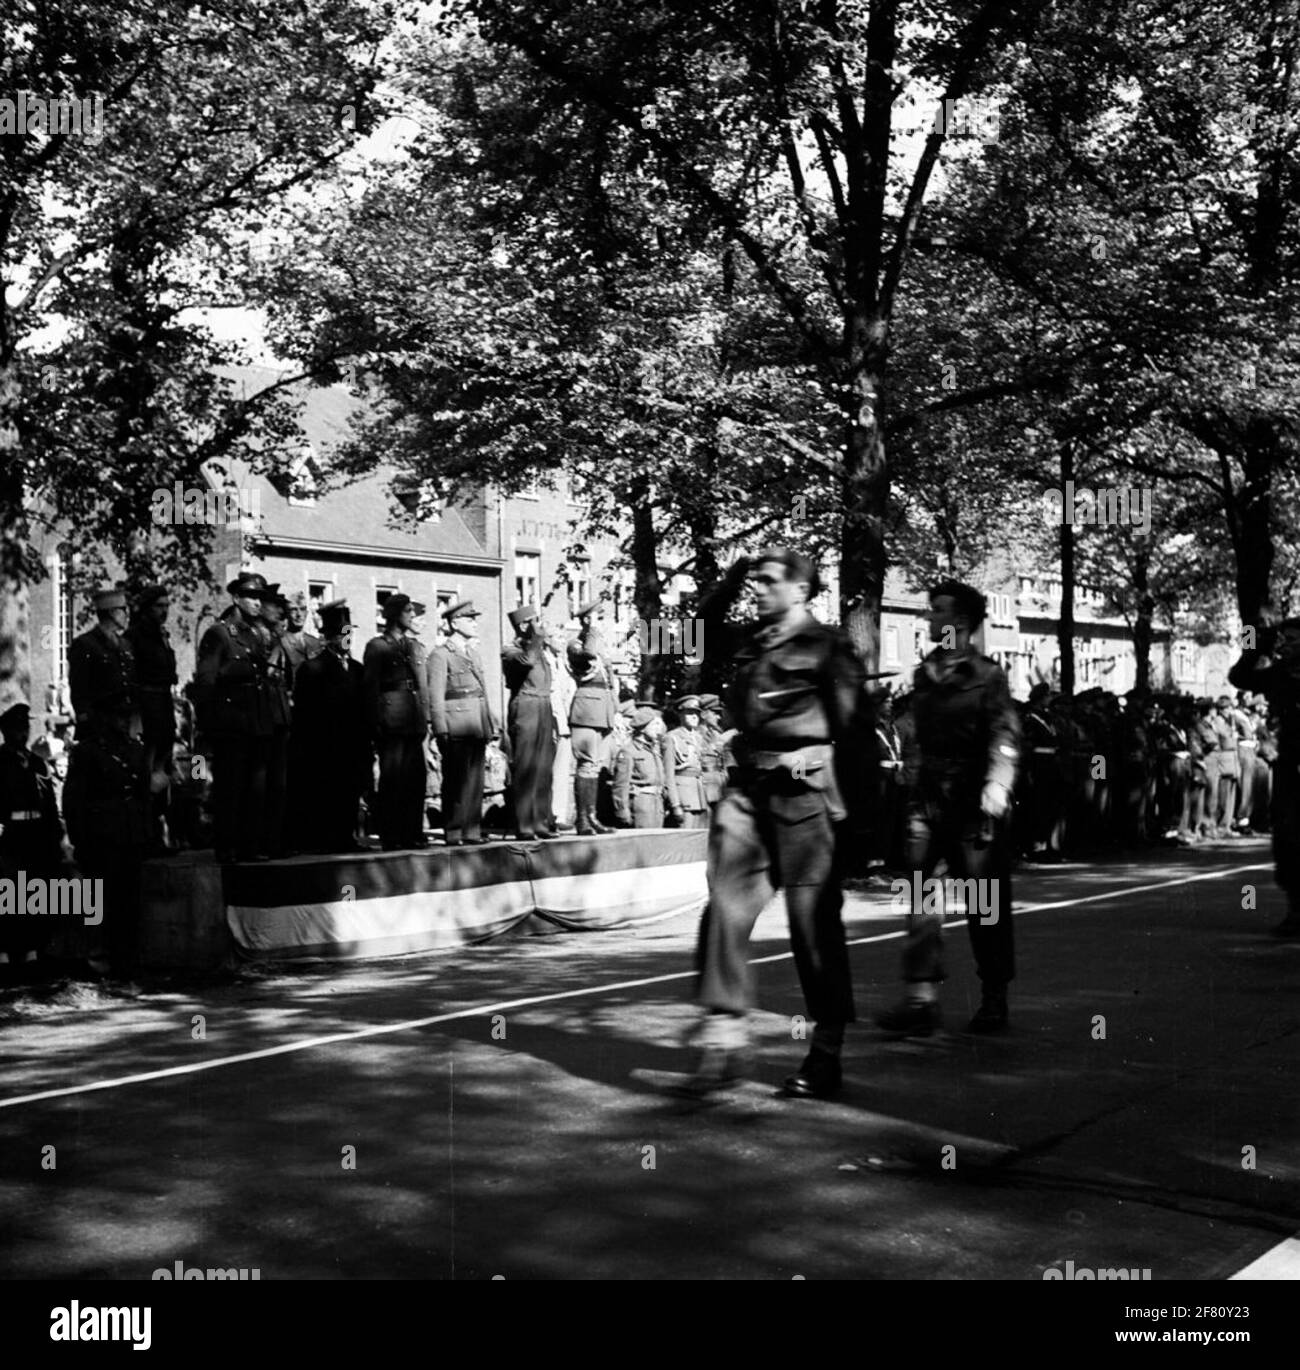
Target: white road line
385	1029
1281	1263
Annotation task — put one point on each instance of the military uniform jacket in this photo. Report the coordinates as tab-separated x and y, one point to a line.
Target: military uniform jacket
638	767
713	763
1226	741
526	669
230	687
279	680
967	728
795	685
593	701
29	814
100	673
682	752
300	647
394	666
1278	680
458	702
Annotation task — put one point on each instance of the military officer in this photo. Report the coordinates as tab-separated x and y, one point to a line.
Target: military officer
106	807
299	644
462	722
639	771
563	689
591	715
531	723
329	746
1225	813
232	700
796	688
1273	669
101	667
30	832
683	754
1248	759
396	710
968	744
713	749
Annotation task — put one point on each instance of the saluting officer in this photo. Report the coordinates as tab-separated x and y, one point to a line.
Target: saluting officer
591	715
101	667
396	707
639	772
531	723
794	696
968	740
683	754
1273	669
462	722
329	744
232	702
30	831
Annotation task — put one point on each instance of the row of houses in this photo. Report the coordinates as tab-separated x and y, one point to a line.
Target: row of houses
360	545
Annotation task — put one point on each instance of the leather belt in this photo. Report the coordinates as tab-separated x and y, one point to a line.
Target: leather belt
646	789
464	694
533	694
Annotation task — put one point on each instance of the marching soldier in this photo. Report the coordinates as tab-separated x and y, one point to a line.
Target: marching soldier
299	644
968	743
683	755
639	770
793	698
30	832
396	711
1273	668
531	723
591	715
462	723
329	747
101	668
153	679
106	807
234	713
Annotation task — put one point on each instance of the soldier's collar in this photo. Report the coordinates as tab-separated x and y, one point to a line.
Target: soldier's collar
773	634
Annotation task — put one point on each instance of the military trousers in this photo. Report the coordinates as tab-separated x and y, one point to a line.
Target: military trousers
974	848
774	833
647	810
462	785
590	746
532	757
239	765
277	791
399	804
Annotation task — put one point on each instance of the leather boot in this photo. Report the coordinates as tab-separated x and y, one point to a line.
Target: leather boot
583	803
593	795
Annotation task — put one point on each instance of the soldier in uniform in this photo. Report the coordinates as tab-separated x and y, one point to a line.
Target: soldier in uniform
683	754
1174	761
639	772
30	833
591	716
299	645
329	746
1225	812
152	681
232	701
531	723
396	711
101	668
1273	669
1042	779
1248	759
106	807
462	722
563	689
1132	789
793	698
713	750
279	684
968	744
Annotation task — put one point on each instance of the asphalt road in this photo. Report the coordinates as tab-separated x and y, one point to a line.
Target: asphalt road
492	1112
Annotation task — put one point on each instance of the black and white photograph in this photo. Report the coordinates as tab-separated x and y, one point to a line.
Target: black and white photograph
654	640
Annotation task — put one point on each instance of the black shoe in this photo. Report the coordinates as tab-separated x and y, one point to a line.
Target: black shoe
819	1077
910	1019
525	837
477	841
991	1016
546	835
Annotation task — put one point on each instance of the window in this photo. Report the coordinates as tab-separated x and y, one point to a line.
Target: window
579	585
891	646
382	595
304	477
528	579
530	489
319	593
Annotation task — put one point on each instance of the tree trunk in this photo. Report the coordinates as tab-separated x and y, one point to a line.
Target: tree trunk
865	494
1142	623
647	596
1065	625
1261	454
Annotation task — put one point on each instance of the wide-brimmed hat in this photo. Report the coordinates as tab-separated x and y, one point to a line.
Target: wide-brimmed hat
394	605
